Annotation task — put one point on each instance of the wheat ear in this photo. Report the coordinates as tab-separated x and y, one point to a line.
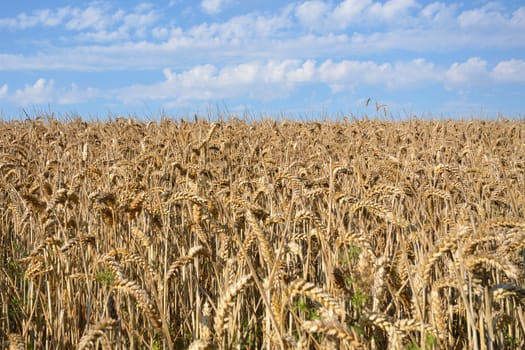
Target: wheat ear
143	300
449	243
201	345
503	290
16	342
89	339
226	303
310	290
264	244
493	261
336	329
183	260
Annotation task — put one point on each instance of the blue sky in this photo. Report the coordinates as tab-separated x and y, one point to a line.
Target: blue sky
300	58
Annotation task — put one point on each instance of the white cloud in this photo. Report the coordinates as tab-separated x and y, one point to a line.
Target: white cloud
250	27
492	17
241	74
351	74
472	72
324	16
484	16
94	16
512	71
302	74
346	73
391	9
413	73
77	95
44	91
312	13
140	20
313	29
103	36
212	7
39	93
134	24
97	22
256	79
348	10
45	17
160	32
3	90
244	38
518	17
90	17
120	25
277	78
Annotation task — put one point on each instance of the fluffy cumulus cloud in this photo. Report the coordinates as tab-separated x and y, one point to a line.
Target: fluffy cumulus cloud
512	71
44	91
413	73
349	10
438	12
212	6
483	17
312	13
398	75
303	73
76	94
257	80
470	73
348	74
276	79
40	92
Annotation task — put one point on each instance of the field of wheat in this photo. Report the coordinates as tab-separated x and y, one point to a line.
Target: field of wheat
262	234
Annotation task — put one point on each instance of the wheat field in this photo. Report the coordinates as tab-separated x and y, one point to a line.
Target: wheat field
349	234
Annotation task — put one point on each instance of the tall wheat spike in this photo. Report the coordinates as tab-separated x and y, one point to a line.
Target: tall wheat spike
336	329
226	303
447	244
504	290
183	260
264	244
143	300
16	342
88	340
302	287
